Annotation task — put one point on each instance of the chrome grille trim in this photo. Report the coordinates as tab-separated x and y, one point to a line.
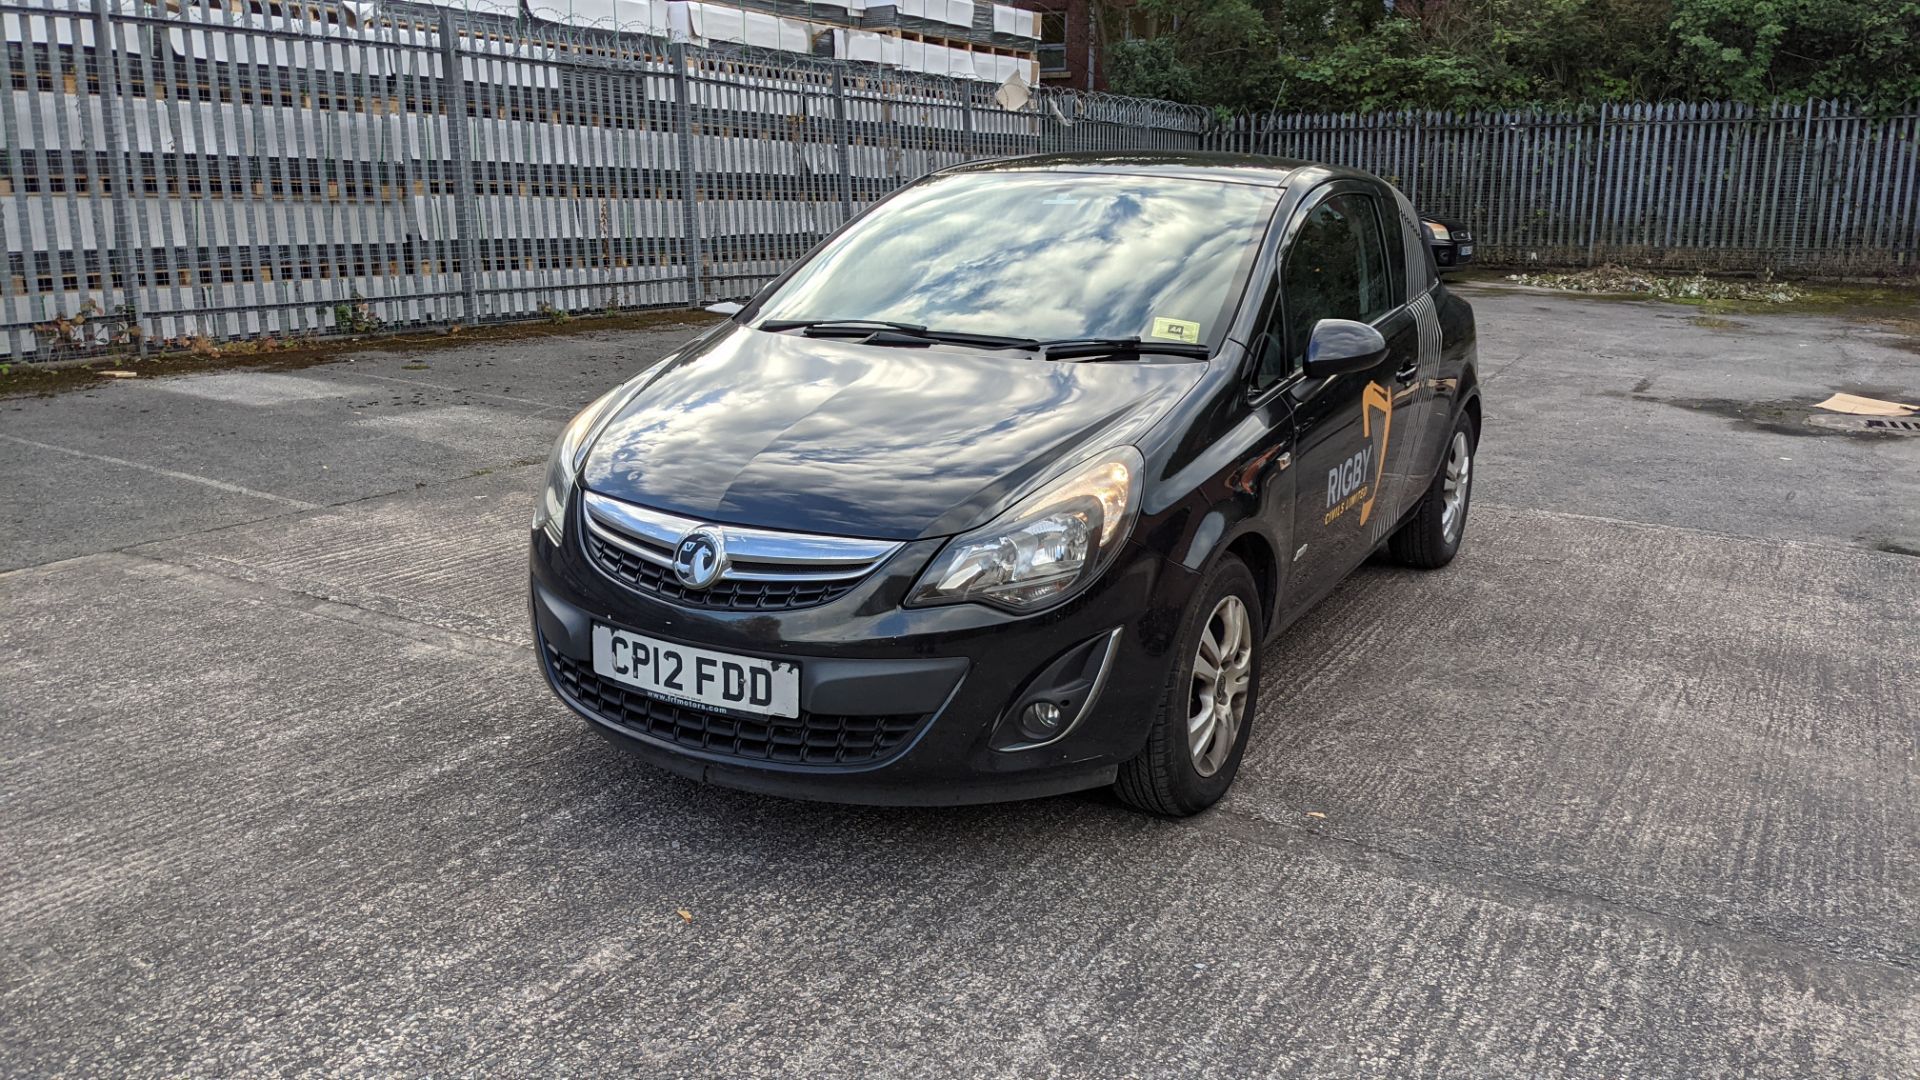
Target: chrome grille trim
625	542
757	555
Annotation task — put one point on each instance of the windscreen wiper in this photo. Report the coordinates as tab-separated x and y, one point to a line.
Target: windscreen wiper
886	332
1107	348
839	327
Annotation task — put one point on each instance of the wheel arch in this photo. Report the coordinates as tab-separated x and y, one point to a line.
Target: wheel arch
1232	530
1470	398
1253	548
1256	550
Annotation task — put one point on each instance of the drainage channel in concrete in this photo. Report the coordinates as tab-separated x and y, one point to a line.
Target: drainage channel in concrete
1869	425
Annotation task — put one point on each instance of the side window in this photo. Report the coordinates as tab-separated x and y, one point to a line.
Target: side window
1272	360
1336	268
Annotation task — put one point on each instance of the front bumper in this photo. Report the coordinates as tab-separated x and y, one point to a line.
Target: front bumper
1452	254
901	706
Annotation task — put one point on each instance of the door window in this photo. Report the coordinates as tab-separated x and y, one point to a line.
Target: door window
1335	269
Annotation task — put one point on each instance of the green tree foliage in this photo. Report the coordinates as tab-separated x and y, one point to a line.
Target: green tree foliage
1355	55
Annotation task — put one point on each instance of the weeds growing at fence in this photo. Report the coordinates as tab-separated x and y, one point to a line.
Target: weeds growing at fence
1619	280
355	315
89	328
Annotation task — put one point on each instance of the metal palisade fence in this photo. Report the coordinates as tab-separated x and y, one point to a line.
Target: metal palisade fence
1814	188
177	173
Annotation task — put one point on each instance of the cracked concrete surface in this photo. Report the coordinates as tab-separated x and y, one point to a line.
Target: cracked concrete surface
1628	790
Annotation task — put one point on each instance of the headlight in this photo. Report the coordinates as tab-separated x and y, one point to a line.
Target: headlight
563	465
1438	230
1046	549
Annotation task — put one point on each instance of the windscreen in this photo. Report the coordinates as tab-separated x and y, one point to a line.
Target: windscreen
1042	255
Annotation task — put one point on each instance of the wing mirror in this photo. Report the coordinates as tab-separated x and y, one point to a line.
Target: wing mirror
1339	346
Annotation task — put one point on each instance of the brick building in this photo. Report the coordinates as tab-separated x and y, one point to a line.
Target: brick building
1073	35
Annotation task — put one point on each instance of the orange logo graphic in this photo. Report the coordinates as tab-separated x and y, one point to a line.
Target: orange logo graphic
1375	397
1356	481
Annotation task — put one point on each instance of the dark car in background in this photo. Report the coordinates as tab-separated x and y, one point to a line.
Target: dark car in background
1452	244
1000	490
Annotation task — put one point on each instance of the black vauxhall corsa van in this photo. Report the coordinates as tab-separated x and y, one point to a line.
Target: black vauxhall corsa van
998	492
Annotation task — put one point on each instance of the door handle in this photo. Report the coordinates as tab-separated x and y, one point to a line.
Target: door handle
1406	374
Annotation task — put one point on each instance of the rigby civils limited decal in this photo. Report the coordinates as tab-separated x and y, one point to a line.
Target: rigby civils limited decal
1356	481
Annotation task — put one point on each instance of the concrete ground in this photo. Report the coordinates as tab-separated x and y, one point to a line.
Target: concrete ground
1630	790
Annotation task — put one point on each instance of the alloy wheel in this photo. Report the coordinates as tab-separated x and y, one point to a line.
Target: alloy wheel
1453	490
1222	664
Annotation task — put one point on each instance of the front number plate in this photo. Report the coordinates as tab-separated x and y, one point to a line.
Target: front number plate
693	676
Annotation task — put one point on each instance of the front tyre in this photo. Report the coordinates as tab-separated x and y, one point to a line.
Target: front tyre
1206	710
1431	538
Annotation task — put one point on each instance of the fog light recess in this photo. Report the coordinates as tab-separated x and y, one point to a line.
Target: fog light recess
1055	699
1041	720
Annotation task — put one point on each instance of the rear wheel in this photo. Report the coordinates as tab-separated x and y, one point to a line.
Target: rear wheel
1431	538
1206	710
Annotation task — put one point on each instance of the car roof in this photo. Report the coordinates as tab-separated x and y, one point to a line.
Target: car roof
1187	164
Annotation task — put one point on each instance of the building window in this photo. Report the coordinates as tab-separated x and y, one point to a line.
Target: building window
1053	42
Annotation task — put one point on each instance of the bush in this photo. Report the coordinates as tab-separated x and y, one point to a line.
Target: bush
1355	55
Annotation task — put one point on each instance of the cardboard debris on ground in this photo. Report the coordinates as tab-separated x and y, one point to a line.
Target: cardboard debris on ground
1866	406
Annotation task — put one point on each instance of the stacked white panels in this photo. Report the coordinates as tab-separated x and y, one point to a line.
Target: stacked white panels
867	47
1016	22
626	16
505	9
951	12
926	57
739	26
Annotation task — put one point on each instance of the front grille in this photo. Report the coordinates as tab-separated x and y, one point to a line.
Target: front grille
649	576
760	570
808	739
